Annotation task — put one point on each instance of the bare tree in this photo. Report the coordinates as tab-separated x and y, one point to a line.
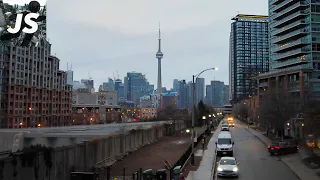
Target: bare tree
240	110
277	107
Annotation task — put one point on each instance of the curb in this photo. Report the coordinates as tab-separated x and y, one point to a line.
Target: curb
214	165
279	158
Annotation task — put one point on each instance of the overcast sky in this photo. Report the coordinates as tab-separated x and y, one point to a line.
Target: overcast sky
106	36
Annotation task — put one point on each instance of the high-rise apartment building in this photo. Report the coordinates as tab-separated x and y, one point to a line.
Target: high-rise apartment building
249	54
199	93
34	92
294	48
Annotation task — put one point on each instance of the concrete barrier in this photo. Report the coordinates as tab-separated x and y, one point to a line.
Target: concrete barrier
85	156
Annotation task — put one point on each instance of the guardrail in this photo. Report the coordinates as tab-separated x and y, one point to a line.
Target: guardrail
214	168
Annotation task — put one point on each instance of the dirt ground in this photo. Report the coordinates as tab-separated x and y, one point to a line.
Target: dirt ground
152	156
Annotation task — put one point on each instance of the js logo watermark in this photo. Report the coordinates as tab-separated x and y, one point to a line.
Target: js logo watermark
25	25
28	20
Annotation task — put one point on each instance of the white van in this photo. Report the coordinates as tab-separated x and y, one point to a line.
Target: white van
224	127
224	144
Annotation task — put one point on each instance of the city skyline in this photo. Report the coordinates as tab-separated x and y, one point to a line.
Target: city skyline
129	44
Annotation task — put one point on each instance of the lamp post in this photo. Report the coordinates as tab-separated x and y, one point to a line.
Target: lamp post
194	77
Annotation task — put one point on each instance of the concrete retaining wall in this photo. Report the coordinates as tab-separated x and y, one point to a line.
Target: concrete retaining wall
81	157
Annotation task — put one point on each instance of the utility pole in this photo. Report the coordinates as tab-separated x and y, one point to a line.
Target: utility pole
193	113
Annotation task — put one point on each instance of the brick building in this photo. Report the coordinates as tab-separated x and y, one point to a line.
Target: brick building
33	89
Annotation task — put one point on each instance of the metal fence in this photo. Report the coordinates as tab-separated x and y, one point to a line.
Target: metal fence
139	174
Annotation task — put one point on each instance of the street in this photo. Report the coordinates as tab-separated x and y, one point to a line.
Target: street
254	160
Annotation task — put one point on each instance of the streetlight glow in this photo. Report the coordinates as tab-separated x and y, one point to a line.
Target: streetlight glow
209	115
288	124
203	117
194	78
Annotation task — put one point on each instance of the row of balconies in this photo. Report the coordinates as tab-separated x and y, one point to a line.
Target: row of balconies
292	44
291	86
291	35
288	54
280	12
289	27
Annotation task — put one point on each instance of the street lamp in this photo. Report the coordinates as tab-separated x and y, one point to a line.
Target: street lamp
194	77
203	117
209	115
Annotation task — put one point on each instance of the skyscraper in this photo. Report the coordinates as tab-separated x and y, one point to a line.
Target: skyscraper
226	95
110	84
69	77
159	56
217	93
182	95
118	86
200	85
249	54
175	85
294	48
208	99
136	86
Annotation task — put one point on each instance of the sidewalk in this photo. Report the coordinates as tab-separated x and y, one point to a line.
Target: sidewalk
204	171
293	161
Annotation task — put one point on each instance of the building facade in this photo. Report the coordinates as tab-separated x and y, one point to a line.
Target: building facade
98	98
136	86
199	93
249	54
169	100
175	86
69	77
294	54
183	95
208	95
147	113
95	108
34	92
217	93
88	82
119	87
226	99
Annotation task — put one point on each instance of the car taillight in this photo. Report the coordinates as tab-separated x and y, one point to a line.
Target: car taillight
268	147
276	147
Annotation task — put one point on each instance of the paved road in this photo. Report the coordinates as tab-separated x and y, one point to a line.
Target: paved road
254	160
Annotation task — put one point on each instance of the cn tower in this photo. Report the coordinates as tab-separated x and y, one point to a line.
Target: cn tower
159	56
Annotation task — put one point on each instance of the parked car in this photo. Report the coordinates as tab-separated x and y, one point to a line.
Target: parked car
283	147
228	167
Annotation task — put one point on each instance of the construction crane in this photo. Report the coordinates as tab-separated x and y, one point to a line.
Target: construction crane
90	77
114	77
118	74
